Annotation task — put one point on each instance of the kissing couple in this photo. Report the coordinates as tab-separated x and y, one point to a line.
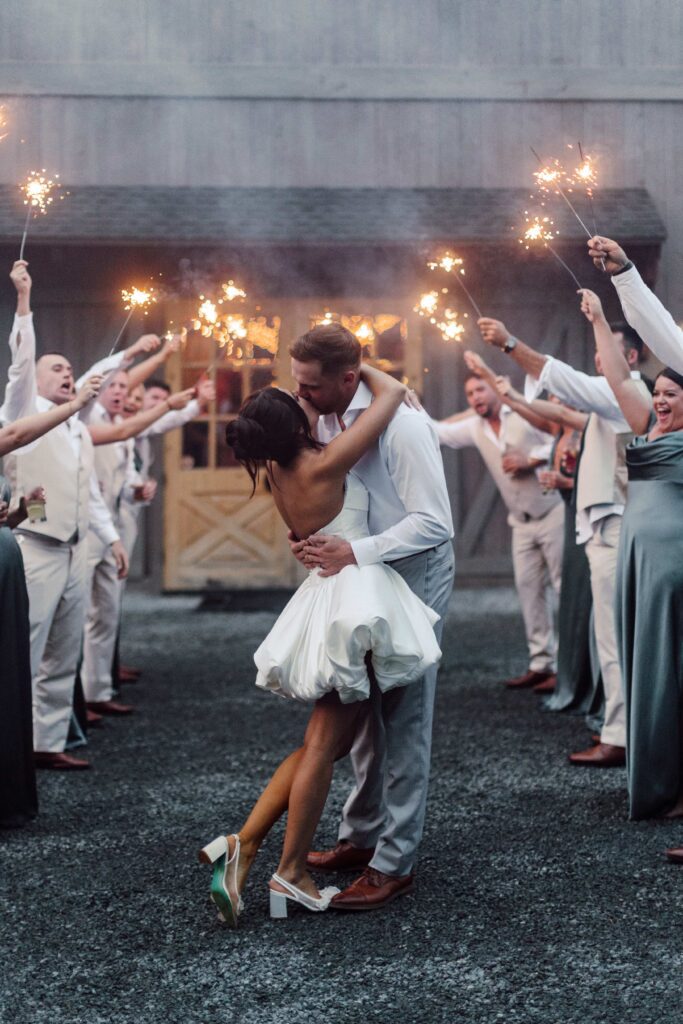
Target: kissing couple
355	470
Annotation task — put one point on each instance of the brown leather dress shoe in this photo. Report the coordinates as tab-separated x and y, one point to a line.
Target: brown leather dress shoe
547	686
602	755
343	857
92	718
675	854
57	762
129	675
529	679
109	707
372	891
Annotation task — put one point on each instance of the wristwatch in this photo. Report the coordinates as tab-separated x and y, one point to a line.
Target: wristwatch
510	344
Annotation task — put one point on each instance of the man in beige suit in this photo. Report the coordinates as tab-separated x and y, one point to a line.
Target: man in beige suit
601	496
512	450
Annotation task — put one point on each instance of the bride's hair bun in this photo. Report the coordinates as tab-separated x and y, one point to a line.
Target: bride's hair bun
271	427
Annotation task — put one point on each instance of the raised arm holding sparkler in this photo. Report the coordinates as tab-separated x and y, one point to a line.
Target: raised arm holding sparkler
642	309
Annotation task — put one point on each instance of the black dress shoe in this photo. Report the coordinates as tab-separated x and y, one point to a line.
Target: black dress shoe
59	762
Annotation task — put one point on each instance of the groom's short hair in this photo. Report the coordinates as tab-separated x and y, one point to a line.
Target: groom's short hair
332	345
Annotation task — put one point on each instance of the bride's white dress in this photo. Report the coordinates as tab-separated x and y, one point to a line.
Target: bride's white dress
320	640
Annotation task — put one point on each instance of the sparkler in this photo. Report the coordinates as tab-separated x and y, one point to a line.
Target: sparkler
586	176
427	304
549	179
450	327
133	298
232	292
454	265
38	196
540	229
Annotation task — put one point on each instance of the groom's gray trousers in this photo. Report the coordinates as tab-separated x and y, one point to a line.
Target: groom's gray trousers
392	751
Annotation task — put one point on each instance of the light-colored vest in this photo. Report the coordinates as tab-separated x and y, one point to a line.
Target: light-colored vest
602	478
54	465
111	467
522	495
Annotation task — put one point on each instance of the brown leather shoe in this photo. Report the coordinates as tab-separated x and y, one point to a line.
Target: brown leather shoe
529	678
343	857
602	755
57	762
109	707
675	854
93	719
372	891
128	674
547	686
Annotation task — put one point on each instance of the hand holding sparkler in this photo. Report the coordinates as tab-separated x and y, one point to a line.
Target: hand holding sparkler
87	392
179	399
494	332
146	343
607	253
591	306
475	364
206	392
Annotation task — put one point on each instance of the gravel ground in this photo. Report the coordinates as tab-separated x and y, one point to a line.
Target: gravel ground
536	901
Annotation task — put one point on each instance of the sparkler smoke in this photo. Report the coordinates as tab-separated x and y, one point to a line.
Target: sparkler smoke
454	265
540	229
134	298
38	196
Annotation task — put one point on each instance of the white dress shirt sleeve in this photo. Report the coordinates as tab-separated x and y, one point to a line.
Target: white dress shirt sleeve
650	318
100	516
172	419
20	393
582	392
416	470
455	435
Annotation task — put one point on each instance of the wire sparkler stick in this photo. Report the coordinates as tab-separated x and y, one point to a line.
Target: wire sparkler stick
135	298
549	179
453	265
540	230
37	191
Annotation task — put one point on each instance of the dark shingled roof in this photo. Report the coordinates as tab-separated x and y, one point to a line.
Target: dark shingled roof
317	216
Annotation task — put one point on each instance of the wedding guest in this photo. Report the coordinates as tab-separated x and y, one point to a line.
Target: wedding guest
576	688
600	501
18	797
642	309
649	602
513	449
54	549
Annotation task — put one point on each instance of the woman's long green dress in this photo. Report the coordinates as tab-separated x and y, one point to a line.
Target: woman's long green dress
18	798
650	622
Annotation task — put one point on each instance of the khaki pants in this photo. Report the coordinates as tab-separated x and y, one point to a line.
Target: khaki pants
537	560
56	577
101	622
602	550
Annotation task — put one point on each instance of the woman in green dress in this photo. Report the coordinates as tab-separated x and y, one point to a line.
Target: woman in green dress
18	798
649	606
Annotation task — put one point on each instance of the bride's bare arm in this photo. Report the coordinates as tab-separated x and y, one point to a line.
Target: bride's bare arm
345	450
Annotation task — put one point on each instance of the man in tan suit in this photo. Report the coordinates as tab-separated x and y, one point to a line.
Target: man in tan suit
512	450
601	497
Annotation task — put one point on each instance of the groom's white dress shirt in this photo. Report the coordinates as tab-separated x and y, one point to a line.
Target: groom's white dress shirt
409	506
650	318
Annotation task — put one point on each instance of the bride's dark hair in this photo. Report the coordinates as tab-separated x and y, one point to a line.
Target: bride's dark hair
271	427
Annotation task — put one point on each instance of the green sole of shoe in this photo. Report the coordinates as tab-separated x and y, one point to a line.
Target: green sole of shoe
220	897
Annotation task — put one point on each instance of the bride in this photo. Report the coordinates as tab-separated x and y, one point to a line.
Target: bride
333	632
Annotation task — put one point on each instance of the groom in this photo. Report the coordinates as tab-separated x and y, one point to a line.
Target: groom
411	529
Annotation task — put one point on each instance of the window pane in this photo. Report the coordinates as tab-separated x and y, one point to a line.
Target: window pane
228	391
195	446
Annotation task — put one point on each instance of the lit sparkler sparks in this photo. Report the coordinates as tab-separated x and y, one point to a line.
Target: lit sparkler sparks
540	230
231	292
427	304
38	196
451	328
452	264
550	178
134	298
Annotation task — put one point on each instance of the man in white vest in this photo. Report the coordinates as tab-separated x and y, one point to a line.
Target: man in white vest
600	501
54	550
512	450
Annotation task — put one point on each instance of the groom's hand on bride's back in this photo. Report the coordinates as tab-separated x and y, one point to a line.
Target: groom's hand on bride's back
329	554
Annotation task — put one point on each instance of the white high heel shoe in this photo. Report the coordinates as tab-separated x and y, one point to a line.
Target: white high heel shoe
224	892
278	900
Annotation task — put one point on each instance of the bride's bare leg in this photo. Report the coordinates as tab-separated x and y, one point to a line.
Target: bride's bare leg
268	809
328	737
